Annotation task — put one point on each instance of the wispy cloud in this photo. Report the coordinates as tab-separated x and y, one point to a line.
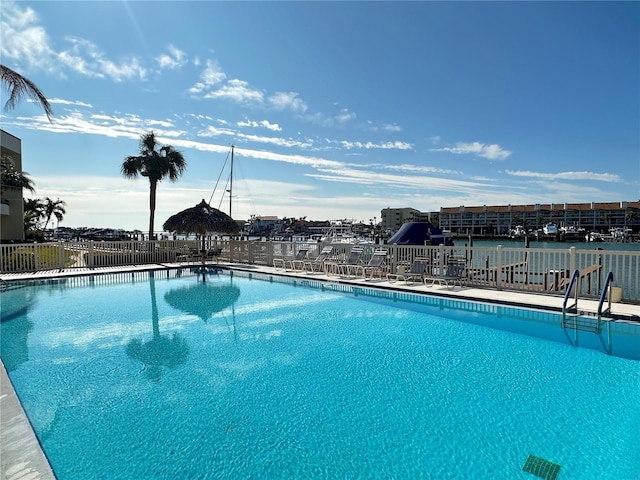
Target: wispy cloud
288	101
387	127
424	170
274	127
346	174
492	152
76	103
281	142
567	176
238	91
397	145
345	116
23	40
211	75
26	42
173	59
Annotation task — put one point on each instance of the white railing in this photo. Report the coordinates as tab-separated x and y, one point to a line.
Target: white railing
505	268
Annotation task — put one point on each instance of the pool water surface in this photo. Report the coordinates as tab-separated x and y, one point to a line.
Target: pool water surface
131	377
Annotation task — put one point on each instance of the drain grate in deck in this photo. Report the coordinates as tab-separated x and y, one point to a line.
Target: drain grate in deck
541	467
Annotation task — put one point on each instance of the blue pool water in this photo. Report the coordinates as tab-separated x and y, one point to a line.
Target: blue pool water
128	378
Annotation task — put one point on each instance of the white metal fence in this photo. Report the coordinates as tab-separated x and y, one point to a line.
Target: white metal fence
505	268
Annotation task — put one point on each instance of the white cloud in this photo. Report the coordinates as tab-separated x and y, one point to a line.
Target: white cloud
345	116
125	70
601	177
371	145
212	75
238	91
282	142
274	127
173	60
26	42
288	101
22	39
492	152
77	103
421	169
211	131
387	127
391	128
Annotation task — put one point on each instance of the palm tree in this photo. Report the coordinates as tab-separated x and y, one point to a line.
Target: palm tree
155	164
10	177
53	208
33	214
19	86
629	217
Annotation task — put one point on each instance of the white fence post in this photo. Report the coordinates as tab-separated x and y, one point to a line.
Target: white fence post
499	267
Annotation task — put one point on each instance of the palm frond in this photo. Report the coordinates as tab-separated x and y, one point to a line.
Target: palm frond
19	86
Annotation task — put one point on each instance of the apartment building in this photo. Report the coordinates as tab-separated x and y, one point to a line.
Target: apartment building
391	219
11	203
500	219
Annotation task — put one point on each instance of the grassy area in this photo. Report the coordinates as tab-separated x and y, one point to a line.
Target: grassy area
23	258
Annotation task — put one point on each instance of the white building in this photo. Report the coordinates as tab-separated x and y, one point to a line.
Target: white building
11	204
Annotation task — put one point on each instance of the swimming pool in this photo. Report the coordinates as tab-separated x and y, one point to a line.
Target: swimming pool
254	376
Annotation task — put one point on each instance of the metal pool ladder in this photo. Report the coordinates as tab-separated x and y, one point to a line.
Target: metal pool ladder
570	315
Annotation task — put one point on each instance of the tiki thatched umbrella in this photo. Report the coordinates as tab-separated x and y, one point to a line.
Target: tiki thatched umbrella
202	299
201	219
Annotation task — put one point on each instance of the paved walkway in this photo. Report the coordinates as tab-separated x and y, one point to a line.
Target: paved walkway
20	452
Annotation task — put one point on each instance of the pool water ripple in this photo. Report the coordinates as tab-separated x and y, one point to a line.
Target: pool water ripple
318	385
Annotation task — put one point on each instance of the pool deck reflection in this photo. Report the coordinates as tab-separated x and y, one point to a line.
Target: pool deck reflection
21	455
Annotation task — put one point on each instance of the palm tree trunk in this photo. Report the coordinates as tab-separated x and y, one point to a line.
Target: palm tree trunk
152	206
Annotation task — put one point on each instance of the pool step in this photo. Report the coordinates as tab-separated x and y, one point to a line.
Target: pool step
581	322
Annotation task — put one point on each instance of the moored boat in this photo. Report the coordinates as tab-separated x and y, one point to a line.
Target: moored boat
571	233
421	233
518	233
550	229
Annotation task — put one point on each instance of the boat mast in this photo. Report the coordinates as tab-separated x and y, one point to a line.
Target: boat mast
231	180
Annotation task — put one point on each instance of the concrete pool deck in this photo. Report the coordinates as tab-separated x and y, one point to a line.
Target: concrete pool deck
21	455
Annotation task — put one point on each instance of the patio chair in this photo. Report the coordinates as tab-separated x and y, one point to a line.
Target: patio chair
317	264
347	265
416	272
375	266
454	272
291	262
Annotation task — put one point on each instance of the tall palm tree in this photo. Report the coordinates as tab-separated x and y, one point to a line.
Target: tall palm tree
53	208
19	86
155	163
33	214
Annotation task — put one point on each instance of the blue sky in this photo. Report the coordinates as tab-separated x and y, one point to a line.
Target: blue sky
337	110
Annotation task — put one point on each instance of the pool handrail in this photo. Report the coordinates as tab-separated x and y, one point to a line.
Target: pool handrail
574	277
607	284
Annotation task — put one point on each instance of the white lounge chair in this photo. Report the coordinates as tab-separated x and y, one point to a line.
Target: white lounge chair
317	264
416	272
376	266
454	273
346	266
291	262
